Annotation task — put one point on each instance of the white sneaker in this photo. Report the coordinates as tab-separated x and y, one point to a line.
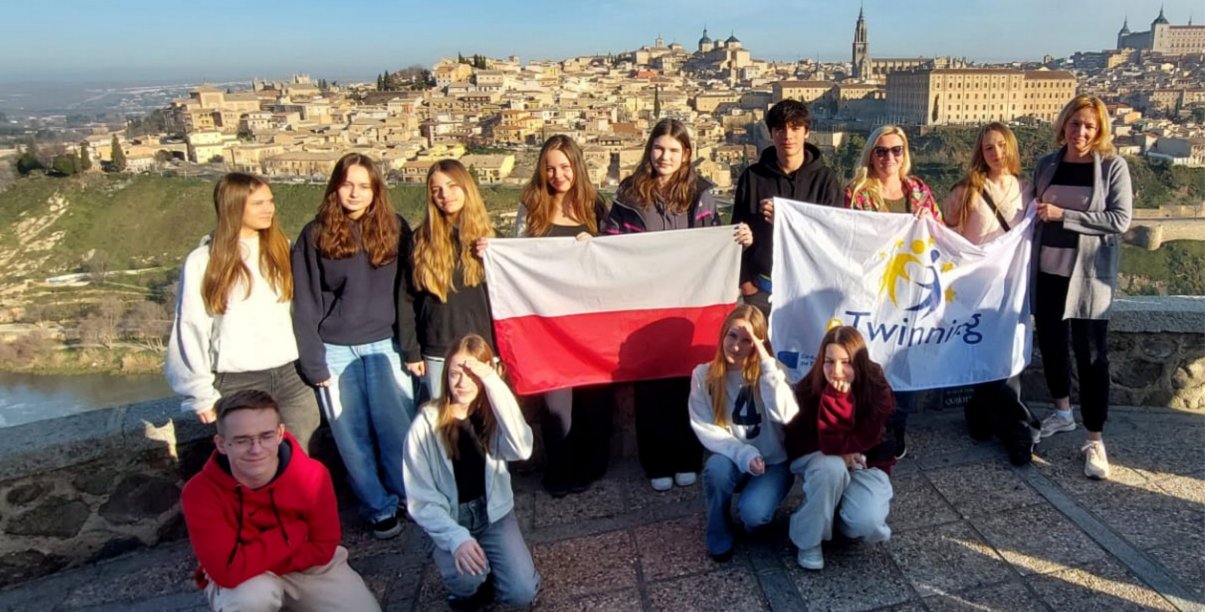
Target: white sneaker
1056	424
1096	462
662	484
810	558
1036	433
685	479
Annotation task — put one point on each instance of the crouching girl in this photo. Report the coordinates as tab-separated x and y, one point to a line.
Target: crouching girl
837	447
738	404
458	488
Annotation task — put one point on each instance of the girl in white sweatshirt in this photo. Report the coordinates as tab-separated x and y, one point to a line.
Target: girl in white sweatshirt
739	402
233	329
457	485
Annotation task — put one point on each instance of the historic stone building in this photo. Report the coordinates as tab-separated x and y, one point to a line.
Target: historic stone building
1163	37
976	96
877	69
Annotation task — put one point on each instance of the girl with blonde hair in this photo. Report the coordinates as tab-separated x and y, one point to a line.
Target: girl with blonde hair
738	404
233	328
460	488
448	274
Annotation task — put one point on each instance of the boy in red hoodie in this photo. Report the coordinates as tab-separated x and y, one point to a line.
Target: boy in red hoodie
263	520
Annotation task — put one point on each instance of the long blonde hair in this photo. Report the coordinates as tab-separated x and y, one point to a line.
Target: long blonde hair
446	422
976	176
1104	129
444	242
226	268
537	194
864	177
750	368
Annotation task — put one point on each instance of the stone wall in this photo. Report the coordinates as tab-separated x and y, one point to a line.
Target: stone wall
97	484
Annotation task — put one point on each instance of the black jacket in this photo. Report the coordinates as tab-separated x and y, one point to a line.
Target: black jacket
813	182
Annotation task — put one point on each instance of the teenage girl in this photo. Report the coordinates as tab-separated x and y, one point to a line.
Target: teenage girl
449	278
460	489
739	402
559	200
665	194
838	447
354	321
233	328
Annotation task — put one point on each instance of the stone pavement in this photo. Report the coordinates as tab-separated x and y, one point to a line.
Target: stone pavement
971	533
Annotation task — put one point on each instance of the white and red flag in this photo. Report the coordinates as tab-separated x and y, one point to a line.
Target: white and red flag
609	309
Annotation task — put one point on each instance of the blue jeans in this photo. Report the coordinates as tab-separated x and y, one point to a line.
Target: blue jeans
369	405
756	505
507	557
905	403
435	376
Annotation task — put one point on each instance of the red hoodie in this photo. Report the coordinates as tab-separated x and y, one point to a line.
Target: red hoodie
287	525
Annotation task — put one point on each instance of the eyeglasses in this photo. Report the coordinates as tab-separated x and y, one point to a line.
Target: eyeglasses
267	441
896	151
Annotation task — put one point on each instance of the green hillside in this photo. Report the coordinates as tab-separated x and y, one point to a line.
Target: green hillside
146	220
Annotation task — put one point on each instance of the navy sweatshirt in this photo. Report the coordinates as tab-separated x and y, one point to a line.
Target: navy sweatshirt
349	301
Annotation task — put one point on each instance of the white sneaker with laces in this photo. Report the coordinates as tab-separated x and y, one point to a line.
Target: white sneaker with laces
1096	462
662	484
685	479
1056	424
810	558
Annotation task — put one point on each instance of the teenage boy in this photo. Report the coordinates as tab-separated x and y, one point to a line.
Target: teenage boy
263	520
793	169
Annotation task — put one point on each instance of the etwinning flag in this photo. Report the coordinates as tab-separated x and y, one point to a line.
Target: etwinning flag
609	309
935	310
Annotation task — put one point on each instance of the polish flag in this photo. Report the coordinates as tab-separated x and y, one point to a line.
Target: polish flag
609	309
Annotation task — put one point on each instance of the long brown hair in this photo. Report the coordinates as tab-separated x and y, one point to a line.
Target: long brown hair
643	189
537	195
446	422
226	268
864	177
869	382
379	227
750	369
436	251
976	176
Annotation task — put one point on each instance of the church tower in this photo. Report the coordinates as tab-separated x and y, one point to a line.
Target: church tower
861	49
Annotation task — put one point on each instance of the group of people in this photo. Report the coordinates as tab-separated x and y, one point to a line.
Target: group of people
361	317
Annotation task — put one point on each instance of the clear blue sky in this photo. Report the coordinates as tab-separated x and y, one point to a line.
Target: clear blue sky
218	39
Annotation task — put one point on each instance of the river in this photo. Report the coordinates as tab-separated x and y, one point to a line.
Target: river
27	397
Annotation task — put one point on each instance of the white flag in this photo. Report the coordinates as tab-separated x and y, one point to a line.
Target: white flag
935	310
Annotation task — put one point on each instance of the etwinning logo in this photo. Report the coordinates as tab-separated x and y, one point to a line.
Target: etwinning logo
918	266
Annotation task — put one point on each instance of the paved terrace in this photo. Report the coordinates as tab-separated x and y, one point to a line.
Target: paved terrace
971	533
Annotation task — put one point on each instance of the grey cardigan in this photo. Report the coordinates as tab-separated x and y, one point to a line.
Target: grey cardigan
1094	277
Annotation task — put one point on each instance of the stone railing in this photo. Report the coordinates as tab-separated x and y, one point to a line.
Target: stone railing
100	483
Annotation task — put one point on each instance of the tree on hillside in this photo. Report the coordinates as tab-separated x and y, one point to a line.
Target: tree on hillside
28	160
85	160
118	156
65	164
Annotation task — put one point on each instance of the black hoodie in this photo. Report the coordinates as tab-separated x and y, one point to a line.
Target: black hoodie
813	182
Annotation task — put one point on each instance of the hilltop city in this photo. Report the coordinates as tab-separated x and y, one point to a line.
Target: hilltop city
490	112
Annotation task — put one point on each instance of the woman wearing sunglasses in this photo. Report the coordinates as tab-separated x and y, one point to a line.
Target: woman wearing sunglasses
882	182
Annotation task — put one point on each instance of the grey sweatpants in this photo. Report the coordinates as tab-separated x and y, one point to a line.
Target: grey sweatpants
858	500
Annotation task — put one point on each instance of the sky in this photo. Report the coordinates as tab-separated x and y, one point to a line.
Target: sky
194	40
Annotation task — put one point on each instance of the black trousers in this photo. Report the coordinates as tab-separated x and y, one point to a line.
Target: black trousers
667	443
995	408
580	454
1089	340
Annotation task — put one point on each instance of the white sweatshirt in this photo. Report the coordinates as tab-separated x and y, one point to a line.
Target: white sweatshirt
431	495
757	431
255	333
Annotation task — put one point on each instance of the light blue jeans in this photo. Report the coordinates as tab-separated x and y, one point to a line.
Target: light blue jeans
369	405
755	507
507	557
435	376
857	500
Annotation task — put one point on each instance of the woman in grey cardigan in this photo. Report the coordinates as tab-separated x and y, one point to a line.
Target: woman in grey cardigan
1084	205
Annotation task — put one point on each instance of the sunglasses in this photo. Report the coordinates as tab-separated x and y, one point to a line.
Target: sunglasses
897	151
